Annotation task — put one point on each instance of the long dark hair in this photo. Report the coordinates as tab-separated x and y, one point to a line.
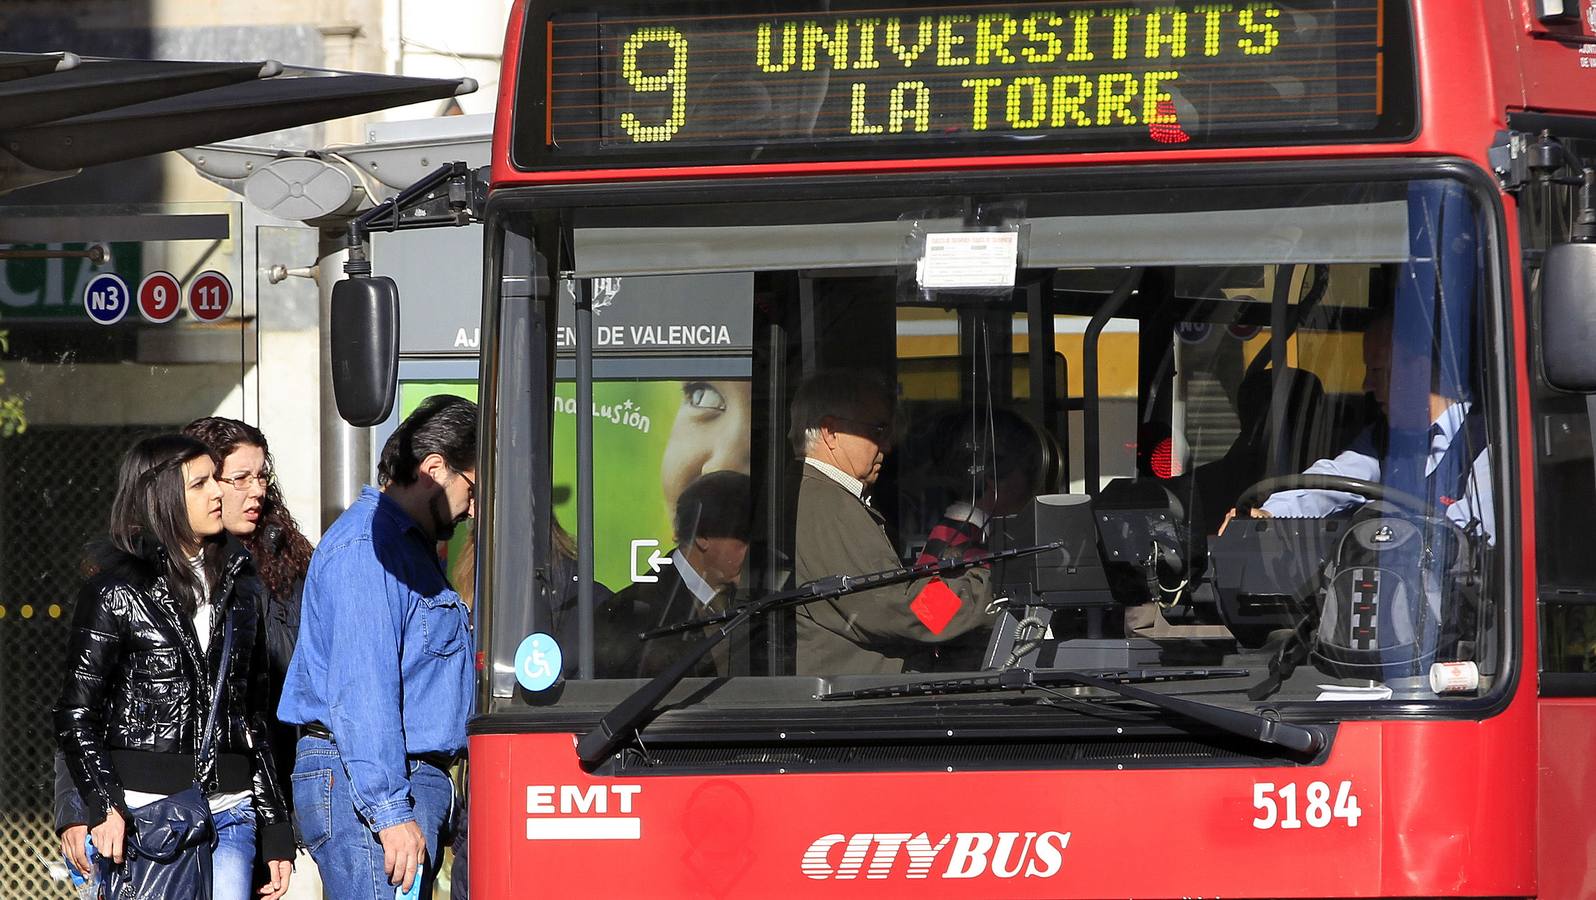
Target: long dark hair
280	550
150	513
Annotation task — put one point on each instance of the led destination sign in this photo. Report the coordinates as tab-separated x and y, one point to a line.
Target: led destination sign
915	80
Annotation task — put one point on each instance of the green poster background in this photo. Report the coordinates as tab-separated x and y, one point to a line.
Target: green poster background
631	426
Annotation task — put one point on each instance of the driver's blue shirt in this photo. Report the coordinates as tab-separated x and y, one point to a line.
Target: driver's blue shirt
1474	511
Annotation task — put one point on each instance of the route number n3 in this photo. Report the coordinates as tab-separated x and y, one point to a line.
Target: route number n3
1278	806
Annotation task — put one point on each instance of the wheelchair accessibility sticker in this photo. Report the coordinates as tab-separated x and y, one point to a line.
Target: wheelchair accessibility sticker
537	662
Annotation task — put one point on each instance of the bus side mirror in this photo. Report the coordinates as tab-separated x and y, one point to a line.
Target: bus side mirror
1568	317
365	348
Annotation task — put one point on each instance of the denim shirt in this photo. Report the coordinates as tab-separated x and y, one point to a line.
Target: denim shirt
385	655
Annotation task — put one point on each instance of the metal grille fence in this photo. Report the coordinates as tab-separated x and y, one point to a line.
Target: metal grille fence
55	492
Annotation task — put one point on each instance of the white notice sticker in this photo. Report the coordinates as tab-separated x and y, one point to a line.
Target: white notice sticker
982	259
1353	692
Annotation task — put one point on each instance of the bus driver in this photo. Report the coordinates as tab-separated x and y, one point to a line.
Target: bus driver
1457	468
842	430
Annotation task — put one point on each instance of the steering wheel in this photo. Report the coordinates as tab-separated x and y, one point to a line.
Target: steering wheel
1373	490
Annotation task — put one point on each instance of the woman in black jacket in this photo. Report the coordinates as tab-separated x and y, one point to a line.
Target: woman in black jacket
254	512
143	657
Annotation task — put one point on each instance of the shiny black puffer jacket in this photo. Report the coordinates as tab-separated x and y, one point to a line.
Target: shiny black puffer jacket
138	690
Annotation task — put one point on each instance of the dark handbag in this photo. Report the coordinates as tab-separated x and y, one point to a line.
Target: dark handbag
167	853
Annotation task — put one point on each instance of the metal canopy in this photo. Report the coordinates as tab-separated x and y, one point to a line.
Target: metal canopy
26	65
106	84
59	113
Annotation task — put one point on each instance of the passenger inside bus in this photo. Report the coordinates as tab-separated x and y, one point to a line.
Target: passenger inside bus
711	523
842	428
993	467
988	464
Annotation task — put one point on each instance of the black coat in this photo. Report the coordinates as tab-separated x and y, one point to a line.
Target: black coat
281	615
138	689
646	606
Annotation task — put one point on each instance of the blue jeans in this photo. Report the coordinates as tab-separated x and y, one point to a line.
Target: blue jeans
233	862
341	841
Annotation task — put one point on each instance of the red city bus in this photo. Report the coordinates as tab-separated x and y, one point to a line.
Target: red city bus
1124	269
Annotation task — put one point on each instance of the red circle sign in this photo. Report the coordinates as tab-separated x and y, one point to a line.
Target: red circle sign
210	295
160	297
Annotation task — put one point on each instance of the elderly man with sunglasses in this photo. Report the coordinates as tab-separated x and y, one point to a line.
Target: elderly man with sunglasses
842	430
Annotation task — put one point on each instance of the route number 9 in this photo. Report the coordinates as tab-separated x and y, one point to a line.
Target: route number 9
674	81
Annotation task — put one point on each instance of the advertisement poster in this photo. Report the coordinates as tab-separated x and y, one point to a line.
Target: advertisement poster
650	439
631	427
653	436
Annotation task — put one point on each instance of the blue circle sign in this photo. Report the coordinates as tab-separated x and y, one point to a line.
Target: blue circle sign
106	298
538	662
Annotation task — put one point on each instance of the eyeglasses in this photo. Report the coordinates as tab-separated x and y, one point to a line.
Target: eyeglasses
471	485
875	431
242	482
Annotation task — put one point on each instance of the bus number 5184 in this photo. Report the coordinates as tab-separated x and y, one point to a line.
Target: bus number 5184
1278	806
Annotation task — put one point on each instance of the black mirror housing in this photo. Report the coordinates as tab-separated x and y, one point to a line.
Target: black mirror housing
1568	317
365	348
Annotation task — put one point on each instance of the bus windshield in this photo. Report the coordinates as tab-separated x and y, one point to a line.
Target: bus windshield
1256	424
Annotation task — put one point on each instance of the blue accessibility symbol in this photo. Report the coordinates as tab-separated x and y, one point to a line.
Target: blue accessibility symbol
538	662
106	298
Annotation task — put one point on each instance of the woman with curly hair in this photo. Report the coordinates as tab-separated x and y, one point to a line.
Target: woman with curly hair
253	511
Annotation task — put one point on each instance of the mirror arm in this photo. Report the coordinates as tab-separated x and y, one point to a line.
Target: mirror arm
464	198
364	325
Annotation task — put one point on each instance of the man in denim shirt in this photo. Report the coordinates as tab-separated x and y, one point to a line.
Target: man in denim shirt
381	683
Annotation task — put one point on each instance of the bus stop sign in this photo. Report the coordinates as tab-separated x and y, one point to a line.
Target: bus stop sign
160	297
210	295
106	298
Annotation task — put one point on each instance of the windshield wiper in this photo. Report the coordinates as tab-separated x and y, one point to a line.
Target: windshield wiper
622	722
1301	738
1018	679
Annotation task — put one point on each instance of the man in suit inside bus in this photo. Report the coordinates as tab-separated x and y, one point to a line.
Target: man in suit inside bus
842	427
711	525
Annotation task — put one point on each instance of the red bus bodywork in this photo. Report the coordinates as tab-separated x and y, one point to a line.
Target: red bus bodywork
1495	807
